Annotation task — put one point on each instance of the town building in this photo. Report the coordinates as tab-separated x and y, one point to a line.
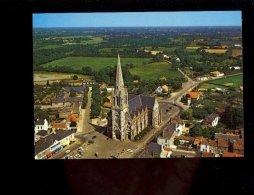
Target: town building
130	114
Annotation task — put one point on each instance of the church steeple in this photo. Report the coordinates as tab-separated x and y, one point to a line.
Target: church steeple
119	77
120	94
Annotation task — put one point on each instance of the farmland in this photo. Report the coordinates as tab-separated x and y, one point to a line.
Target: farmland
95	63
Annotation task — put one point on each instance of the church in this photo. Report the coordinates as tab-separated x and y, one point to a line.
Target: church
130	114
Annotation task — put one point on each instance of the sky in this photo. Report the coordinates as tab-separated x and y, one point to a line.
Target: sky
138	19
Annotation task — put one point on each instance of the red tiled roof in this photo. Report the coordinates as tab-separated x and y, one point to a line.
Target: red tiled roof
231	154
72	117
238	145
59	125
107	104
167	149
193	94
207	154
223	143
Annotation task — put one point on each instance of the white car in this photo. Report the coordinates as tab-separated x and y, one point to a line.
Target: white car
67	151
129	150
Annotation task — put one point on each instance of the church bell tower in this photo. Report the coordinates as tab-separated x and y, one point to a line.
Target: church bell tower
119	102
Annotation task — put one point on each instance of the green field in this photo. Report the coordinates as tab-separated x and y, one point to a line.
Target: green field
155	71
229	61
231	81
95	63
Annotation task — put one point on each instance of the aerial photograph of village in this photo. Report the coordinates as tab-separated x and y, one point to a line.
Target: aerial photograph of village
121	85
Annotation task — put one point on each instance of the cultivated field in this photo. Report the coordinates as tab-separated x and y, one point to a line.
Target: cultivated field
44	76
237	52
95	63
216	50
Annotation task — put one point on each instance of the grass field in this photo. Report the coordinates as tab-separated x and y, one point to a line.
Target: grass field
229	61
44	76
155	71
95	63
223	83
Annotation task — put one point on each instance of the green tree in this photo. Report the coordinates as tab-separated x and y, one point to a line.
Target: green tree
75	77
196	130
187	114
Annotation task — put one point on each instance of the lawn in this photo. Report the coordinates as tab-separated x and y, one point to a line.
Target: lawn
223	83
95	63
155	71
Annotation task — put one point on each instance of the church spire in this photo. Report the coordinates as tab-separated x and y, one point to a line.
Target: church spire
119	76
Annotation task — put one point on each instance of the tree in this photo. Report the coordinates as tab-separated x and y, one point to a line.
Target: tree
187	114
75	77
196	130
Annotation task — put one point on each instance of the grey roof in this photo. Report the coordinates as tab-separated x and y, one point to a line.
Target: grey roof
145	154
69	99
42	132
79	89
60	134
134	103
153	147
148	101
210	118
227	136
39	122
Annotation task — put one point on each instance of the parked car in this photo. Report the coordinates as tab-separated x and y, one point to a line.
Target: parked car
90	141
129	150
113	156
67	151
80	148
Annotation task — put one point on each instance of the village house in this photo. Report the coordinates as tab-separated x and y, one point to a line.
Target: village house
216	74
193	94
165	138
40	124
166	152
65	102
145	154
154	149
210	120
217	147
47	144
238	146
87	82
185	139
231	154
58	126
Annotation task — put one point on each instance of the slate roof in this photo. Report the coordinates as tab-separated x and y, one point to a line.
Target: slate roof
69	99
79	89
153	147
145	154
231	137
134	103
210	118
42	133
39	122
59	135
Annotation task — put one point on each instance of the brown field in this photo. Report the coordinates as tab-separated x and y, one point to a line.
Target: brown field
216	50
236	52
192	47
